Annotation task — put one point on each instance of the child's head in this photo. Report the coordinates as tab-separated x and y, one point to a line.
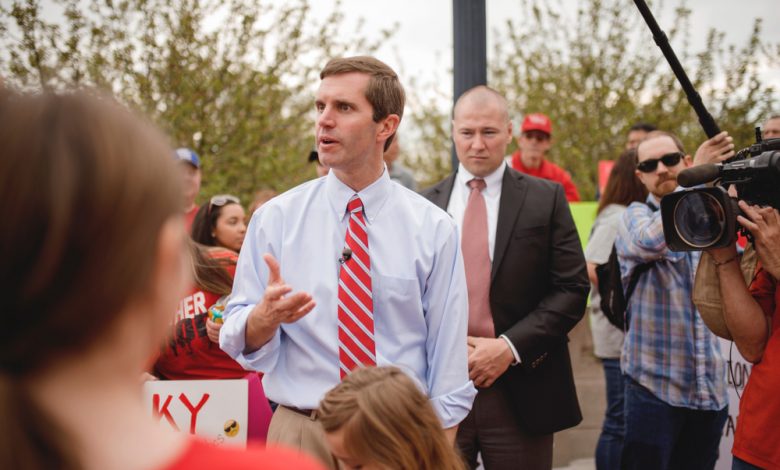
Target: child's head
377	418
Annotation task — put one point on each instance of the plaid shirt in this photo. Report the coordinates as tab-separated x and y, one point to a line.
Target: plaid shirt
667	349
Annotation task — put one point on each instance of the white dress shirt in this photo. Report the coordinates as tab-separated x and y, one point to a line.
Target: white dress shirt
419	292
492	195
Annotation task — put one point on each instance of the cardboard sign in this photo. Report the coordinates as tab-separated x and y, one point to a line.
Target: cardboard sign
216	410
605	168
584	214
737	376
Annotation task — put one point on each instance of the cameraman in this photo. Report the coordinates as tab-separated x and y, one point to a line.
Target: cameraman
751	316
675	377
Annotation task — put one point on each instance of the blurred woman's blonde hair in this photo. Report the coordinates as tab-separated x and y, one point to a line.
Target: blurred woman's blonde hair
387	420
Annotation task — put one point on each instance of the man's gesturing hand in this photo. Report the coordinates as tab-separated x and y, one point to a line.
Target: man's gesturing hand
275	308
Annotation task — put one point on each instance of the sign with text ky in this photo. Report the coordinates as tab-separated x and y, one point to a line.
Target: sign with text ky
213	409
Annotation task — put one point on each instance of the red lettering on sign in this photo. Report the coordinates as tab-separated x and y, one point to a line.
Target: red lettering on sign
160	412
194	409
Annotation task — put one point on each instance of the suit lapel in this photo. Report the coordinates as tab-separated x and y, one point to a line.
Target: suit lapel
440	194
513	191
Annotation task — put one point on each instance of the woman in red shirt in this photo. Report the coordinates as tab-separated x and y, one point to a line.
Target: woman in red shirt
751	315
192	351
92	270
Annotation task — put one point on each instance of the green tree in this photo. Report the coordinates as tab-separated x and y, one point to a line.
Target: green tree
599	72
233	80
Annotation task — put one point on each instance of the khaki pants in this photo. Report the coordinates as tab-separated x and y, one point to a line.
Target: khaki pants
297	431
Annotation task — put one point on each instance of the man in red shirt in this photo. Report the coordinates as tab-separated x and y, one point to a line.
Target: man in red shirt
751	315
534	142
189	162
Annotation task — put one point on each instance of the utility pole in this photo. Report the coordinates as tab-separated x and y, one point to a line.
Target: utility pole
469	27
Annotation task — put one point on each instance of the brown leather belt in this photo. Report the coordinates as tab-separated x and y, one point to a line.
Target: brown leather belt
311	414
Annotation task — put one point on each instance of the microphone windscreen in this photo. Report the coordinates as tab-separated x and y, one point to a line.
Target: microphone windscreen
697	175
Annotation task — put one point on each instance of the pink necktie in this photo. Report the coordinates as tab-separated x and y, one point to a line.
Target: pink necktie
476	258
355	301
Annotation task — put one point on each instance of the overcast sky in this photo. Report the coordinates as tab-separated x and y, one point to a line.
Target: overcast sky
422	43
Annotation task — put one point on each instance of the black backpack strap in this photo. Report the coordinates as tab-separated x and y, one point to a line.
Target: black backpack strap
638	271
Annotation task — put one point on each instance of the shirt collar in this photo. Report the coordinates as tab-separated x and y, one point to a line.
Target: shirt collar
373	196
653	201
492	181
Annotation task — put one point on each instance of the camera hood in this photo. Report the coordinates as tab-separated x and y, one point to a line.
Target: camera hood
699	219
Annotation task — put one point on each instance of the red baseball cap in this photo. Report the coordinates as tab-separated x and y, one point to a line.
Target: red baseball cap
537	122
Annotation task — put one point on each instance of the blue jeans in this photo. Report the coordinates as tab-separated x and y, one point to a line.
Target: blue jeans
610	443
660	436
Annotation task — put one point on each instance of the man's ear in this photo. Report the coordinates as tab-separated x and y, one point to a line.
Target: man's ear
509	133
388	126
688	160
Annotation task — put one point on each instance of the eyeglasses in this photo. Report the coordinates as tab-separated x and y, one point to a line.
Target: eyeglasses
650	165
221	199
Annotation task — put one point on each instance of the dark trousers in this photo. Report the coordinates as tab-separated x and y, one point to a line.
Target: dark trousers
739	464
659	436
492	430
610	444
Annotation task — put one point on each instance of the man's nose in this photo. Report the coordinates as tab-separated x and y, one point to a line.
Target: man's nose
478	142
325	119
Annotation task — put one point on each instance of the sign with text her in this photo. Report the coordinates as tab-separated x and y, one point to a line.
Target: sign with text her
213	409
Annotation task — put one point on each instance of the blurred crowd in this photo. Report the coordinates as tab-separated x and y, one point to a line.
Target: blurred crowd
392	328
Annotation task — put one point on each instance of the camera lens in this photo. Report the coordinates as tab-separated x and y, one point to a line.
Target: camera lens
699	219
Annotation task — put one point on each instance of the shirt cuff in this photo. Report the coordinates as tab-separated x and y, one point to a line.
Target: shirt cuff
232	340
512	348
455	406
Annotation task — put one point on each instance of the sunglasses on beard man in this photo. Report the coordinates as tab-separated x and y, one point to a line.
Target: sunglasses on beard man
669	160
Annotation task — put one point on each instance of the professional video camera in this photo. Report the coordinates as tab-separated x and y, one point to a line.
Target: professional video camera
703	218
707	217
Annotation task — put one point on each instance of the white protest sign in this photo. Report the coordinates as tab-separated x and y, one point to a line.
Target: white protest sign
216	410
737	377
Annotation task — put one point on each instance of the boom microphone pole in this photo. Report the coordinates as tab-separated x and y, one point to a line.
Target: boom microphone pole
705	118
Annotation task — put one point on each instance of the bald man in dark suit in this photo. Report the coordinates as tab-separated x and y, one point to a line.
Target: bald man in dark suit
527	285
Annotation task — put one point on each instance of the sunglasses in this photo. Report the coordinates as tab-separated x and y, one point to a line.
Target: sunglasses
650	165
221	199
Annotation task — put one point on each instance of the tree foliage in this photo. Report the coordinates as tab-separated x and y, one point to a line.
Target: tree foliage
233	79
599	72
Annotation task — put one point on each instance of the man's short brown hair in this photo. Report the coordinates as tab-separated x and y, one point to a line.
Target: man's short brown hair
384	91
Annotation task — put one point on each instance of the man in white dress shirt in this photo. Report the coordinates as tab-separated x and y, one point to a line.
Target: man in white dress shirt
321	289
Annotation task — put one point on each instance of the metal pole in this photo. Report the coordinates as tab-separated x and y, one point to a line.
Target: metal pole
705	118
469	27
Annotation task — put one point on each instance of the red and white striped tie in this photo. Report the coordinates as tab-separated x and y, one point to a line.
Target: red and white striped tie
356	305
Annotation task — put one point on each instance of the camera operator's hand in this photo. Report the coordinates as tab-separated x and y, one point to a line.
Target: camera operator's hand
764	224
715	150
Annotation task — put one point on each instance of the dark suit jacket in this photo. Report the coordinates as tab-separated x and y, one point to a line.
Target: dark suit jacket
538	292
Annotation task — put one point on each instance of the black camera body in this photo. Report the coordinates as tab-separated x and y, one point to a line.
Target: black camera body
704	218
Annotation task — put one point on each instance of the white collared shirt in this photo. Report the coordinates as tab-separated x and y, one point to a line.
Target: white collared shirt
492	194
418	286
